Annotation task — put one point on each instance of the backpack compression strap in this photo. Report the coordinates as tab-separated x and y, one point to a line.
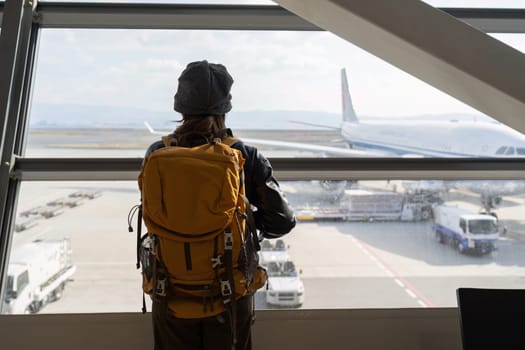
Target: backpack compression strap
228	285
227	282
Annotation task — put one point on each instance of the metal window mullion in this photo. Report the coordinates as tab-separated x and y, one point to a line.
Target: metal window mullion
109	169
169	16
14	48
31	51
495	20
234	17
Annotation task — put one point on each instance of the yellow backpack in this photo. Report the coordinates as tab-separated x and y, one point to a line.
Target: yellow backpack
200	252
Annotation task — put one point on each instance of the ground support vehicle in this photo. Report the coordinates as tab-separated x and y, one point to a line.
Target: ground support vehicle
37	274
372	205
45	211
25	222
284	286
465	230
273	252
69	202
85	194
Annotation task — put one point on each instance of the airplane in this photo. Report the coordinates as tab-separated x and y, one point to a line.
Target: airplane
429	138
417	138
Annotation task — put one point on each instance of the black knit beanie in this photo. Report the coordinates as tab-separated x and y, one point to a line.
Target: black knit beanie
204	89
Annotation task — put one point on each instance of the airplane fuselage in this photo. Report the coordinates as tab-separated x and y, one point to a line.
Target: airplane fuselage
435	138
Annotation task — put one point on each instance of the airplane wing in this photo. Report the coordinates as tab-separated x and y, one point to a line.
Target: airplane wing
153	131
299	146
316	125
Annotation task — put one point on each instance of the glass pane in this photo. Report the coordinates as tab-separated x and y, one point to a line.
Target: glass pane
416	241
404	238
71	241
95	89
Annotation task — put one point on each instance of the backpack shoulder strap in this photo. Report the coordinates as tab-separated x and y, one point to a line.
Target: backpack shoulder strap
166	140
230	140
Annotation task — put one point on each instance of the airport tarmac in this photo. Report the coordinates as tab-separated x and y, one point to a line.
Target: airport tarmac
107	142
343	264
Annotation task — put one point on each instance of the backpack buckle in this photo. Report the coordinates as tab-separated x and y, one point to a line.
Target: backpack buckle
228	240
216	261
226	289
160	288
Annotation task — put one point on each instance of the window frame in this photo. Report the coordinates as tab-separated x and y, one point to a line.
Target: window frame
18	41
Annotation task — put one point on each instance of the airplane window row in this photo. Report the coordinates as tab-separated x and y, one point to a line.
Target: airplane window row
508	151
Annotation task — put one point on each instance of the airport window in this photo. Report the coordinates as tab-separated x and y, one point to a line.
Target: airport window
94	90
108	83
352	238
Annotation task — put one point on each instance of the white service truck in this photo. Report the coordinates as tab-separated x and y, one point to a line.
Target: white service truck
36	275
466	230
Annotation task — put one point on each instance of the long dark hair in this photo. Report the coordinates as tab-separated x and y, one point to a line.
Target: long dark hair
198	130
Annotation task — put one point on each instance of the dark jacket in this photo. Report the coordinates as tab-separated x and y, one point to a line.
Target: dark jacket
273	216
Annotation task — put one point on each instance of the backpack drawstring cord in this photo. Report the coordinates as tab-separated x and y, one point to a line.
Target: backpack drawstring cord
131	214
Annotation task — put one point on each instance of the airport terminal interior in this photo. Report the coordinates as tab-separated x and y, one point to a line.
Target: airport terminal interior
394	128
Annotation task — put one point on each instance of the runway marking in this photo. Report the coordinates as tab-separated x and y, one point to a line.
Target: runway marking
391	272
411	293
399	283
382	267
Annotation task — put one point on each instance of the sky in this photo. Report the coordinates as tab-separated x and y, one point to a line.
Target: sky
297	71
